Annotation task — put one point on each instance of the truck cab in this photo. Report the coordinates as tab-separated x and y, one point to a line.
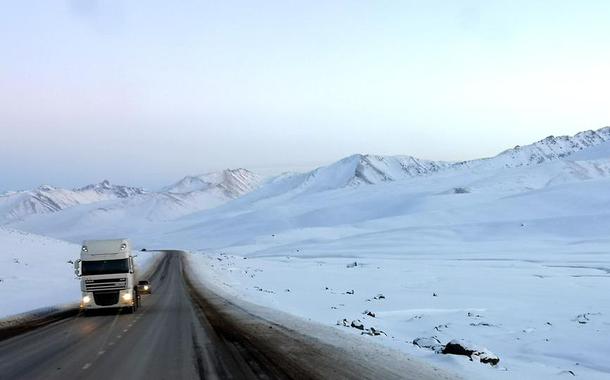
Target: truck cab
107	275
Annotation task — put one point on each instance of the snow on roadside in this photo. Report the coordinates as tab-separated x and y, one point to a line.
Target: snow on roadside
35	272
542	317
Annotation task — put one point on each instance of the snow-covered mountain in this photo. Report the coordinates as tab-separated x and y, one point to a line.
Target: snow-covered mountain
551	148
105	188
580	157
535	217
232	182
50	210
48	199
360	169
349	172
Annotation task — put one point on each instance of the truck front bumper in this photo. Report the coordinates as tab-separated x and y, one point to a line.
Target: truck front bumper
107	299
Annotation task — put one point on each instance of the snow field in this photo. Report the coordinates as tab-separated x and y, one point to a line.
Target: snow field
542	317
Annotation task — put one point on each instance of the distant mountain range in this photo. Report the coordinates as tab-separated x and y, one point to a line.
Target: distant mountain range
200	192
549	149
188	195
47	199
361	169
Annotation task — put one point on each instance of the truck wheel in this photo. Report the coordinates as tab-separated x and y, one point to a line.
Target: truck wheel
136	302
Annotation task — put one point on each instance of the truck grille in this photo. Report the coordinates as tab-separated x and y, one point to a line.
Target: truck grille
106	298
105	284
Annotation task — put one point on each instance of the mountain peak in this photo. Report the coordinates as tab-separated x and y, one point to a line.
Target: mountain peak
550	148
231	182
46	188
109	189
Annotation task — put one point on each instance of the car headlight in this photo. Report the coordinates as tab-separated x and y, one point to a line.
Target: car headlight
145	287
86	299
127	297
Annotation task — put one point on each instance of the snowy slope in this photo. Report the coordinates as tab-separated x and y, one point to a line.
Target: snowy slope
232	182
106	208
480	253
357	170
108	219
332	195
105	211
549	149
48	199
196	193
35	272
351	171
478	250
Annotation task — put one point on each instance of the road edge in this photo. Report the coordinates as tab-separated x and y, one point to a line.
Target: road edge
288	344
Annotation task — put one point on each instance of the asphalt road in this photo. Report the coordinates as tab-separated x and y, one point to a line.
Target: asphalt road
167	338
180	333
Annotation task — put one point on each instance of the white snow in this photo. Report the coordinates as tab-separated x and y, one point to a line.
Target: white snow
16	206
106	211
511	253
513	258
232	182
525	307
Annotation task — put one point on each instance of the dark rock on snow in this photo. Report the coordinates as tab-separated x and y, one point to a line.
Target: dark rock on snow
460	347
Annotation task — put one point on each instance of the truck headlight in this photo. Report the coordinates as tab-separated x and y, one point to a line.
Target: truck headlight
145	287
127	297
86	299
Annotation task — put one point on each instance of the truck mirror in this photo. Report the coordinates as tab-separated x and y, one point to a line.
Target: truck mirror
77	267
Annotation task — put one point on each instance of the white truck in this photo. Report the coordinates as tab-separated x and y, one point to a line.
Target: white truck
107	275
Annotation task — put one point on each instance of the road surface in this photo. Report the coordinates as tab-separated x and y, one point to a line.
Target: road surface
178	334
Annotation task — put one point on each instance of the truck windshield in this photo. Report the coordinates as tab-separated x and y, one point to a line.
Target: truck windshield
104	267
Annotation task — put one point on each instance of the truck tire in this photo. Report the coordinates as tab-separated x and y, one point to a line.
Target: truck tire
136	302
136	294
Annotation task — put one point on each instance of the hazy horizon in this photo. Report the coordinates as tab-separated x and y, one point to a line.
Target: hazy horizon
143	95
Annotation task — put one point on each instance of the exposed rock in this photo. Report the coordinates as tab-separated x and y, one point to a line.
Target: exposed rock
373	332
357	324
369	313
352	265
460	347
485	324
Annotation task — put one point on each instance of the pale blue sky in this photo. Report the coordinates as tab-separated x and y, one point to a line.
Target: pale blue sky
144	92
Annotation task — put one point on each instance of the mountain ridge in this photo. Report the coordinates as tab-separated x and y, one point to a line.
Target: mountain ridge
198	192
